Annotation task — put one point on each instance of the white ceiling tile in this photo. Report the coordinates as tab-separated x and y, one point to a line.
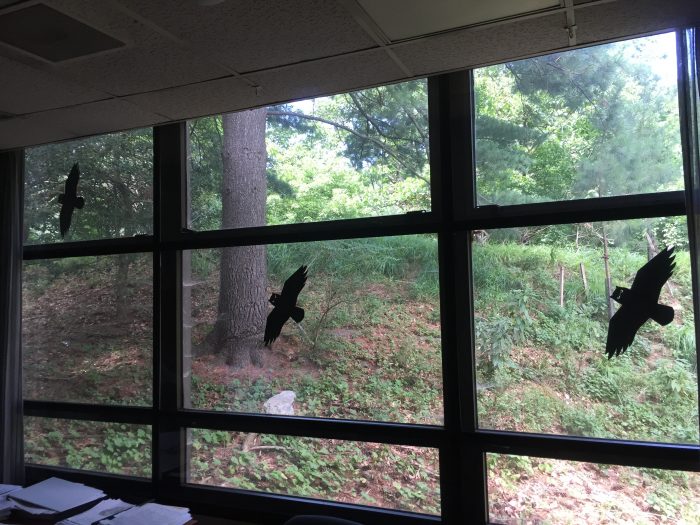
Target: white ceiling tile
281	85
151	65
401	19
101	117
78	121
469	47
38	128
148	62
24	89
254	36
626	17
206	98
333	76
249	36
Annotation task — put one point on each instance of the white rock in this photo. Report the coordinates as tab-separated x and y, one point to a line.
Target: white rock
282	403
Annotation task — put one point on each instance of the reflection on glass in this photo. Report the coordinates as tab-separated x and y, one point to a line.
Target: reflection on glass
115	448
116	181
359	154
590	122
541	321
535	490
389	476
367	348
87	332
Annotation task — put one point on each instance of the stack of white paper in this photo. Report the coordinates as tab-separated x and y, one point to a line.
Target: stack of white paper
150	514
54	496
104	509
5	504
6	489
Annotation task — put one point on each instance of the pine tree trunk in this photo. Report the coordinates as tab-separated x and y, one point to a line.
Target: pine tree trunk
242	309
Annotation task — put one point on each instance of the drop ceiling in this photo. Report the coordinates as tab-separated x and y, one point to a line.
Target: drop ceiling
134	63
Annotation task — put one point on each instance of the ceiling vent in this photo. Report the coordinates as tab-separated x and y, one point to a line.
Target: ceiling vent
51	35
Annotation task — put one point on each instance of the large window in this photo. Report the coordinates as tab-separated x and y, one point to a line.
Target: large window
391	305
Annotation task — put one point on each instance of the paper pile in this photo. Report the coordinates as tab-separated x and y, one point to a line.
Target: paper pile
149	514
53	497
5	504
56	498
103	510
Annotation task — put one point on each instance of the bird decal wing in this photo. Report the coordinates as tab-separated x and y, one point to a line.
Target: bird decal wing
72	181
69	200
64	219
273	326
294	284
622	329
653	275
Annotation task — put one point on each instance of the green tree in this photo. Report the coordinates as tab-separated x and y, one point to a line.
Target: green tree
383	132
592	122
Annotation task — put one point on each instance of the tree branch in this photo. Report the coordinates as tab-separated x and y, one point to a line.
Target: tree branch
338	125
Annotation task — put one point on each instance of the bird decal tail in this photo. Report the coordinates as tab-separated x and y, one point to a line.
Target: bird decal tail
297	314
662	314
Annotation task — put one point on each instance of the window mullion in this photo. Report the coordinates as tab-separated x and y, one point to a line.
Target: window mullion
462	470
168	439
689	102
643	206
85	412
141	243
593	450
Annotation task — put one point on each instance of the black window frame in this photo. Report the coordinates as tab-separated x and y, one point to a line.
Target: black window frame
461	443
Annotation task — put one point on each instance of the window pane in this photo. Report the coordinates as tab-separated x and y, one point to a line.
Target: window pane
542	365
368	346
359	154
390	476
87	331
534	490
591	122
88	445
115	182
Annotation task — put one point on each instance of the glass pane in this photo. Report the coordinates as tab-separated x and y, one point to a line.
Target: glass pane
541	319
591	122
87	331
368	346
88	445
534	490
360	154
115	183
390	476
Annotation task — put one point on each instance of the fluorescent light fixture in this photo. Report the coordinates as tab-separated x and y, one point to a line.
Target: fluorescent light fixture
401	19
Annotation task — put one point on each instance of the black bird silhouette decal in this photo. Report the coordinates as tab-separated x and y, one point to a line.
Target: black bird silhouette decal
70	200
640	303
285	305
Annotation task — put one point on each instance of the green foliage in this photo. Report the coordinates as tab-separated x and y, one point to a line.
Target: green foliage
114	448
588	123
400	476
354	155
116	173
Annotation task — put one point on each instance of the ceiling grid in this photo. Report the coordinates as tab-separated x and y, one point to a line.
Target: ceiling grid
183	59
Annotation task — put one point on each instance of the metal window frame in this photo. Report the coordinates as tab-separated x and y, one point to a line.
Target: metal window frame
462	445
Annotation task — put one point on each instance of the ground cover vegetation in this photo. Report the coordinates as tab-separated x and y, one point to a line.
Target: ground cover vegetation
594	122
